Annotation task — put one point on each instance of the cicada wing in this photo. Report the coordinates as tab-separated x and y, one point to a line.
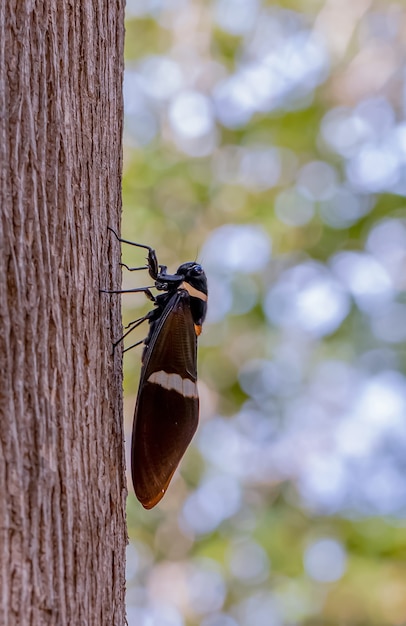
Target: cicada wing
167	408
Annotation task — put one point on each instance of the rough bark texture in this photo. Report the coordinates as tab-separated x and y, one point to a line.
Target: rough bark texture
62	471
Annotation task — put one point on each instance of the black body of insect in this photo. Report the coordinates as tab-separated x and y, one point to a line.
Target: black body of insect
167	407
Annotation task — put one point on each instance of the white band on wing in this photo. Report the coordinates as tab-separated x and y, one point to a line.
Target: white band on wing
174	382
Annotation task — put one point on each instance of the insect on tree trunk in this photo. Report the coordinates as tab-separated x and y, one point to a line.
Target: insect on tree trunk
62	470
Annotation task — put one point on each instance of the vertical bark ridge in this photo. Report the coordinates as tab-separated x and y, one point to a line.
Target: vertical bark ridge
61	441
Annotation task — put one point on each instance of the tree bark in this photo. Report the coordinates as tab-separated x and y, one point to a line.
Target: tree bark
62	467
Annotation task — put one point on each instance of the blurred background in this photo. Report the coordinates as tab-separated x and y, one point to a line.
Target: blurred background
268	141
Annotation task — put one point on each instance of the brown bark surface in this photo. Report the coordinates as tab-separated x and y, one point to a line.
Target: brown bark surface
62	470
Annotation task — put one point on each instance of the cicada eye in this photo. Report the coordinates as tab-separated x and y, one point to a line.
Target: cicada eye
196	270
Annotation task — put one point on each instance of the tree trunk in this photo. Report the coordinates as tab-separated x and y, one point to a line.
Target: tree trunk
62	469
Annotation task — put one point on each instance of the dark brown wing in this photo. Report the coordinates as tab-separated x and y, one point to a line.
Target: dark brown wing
167	409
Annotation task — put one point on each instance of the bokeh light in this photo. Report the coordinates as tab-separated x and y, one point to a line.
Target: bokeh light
325	560
268	141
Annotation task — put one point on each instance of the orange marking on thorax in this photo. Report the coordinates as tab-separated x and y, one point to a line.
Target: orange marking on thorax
195	293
